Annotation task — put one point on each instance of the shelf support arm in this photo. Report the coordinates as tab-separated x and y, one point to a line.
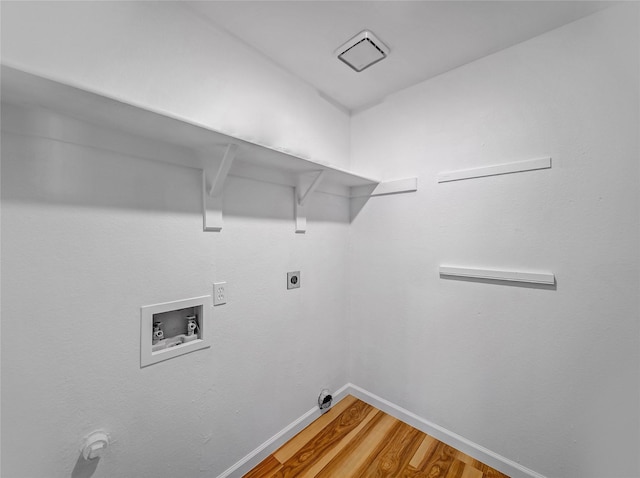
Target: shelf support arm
302	192
213	180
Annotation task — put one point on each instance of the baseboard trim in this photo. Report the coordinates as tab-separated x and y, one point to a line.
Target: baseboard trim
488	457
254	458
500	463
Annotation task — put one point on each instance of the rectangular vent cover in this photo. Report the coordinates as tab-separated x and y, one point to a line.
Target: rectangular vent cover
362	51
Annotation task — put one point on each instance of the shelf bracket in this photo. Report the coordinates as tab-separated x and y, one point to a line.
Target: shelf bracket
212	190
307	183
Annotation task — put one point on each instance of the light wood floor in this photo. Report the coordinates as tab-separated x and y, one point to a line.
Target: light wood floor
354	439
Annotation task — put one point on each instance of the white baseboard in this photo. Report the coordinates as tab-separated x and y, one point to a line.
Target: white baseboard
500	463
254	458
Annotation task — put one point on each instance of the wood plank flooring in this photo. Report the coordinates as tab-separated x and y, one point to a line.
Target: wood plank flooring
354	440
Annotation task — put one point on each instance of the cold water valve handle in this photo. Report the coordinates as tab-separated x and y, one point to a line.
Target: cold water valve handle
94	445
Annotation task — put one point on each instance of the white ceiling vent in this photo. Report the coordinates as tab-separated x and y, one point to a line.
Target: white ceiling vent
362	51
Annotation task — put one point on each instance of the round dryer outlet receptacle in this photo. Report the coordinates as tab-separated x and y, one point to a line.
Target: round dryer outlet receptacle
324	400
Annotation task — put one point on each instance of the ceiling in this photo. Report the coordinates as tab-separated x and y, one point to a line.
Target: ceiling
426	38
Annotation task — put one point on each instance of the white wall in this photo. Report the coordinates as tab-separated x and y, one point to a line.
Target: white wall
546	377
88	237
161	55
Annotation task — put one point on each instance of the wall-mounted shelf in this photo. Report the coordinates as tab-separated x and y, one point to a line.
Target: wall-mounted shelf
495	170
41	107
386	188
547	278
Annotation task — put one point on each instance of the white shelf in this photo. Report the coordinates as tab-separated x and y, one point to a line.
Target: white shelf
495	170
31	103
384	189
499	275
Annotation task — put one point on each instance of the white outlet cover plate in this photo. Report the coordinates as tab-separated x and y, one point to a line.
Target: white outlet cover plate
293	280
219	293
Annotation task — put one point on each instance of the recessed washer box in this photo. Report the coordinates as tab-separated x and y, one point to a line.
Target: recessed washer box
172	329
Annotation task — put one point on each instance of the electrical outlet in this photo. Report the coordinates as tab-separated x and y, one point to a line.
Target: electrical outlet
293	280
219	293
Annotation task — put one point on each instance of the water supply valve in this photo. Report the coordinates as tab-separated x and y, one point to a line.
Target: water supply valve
192	325
158	333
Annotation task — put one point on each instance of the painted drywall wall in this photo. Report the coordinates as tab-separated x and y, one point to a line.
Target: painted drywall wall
163	56
89	237
548	377
535	378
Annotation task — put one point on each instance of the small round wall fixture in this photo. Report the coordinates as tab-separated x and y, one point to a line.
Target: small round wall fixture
324	400
94	445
